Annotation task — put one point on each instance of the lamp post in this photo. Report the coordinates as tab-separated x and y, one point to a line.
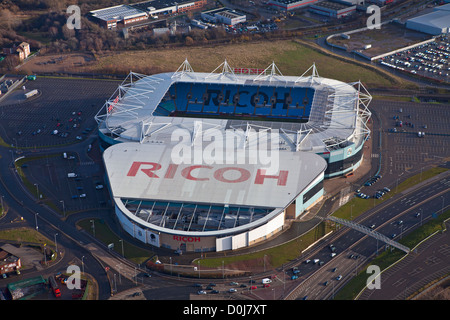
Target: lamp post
56	245
82	264
37	190
93	227
35	220
123	254
64	208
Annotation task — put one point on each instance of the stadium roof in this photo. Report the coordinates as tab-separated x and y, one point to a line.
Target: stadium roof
132	174
334	116
241	196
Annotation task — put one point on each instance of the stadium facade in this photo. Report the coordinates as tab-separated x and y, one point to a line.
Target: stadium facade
219	161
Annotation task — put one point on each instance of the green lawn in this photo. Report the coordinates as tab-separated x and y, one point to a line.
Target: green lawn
297	60
25	235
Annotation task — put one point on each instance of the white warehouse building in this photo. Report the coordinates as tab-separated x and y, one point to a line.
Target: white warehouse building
434	23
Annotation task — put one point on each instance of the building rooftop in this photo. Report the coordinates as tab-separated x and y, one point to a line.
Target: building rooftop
120	12
438	19
148	184
331	5
128	171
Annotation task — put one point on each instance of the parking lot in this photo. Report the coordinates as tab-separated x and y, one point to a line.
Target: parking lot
67	106
51	175
63	111
431	60
404	153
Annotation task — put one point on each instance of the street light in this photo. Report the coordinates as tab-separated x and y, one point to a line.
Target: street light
64	208
35	220
37	190
56	245
82	263
123	255
93	227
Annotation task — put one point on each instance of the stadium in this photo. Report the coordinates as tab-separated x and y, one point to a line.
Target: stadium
199	162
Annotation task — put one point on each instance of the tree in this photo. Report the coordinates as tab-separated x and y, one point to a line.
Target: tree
188	41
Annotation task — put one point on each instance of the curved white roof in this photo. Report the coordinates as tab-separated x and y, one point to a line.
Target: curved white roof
143	175
338	112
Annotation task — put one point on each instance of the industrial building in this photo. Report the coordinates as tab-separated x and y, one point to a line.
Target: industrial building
166	7
290	4
124	15
112	16
172	189
380	3
434	23
333	9
224	15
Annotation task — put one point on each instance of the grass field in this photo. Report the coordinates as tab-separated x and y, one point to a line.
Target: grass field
291	58
25	235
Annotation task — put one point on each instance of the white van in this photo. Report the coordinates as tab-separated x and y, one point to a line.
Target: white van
266	280
71	175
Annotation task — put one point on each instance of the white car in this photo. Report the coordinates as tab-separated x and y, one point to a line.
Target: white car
98	187
83	195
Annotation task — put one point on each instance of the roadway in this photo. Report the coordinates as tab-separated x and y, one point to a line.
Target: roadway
427	201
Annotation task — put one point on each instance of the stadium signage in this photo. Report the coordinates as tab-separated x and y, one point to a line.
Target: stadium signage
259	99
153	170
248	70
186	239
